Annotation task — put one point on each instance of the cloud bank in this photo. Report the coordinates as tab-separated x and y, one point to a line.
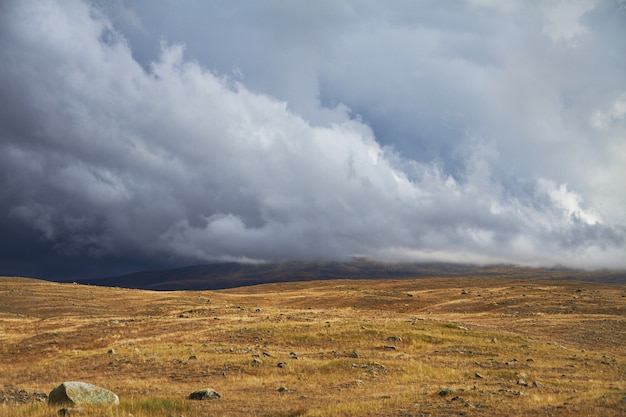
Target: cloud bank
400	133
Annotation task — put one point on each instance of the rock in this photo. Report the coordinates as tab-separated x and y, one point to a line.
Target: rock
522	383
389	347
193	358
281	364
257	362
394	339
11	394
111	351
354	354
71	411
479	375
283	389
292	355
537	384
81	393
204	394
446	391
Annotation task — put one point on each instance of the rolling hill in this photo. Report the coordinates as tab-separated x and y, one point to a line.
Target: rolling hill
232	274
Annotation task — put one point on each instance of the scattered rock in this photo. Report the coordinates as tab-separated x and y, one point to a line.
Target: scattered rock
81	393
374	368
446	391
204	394
10	394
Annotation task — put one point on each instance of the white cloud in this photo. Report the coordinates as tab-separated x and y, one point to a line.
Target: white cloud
111	158
562	19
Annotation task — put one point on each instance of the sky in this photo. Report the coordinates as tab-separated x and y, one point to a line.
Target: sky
149	134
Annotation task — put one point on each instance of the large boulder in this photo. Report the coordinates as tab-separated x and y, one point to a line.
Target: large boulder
81	393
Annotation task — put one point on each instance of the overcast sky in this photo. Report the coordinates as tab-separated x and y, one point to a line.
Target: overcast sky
146	134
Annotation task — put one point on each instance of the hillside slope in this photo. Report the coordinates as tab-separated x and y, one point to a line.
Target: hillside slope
231	274
491	346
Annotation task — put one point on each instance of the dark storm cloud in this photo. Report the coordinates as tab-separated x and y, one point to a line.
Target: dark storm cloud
285	132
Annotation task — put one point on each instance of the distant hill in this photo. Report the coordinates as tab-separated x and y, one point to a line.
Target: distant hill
231	274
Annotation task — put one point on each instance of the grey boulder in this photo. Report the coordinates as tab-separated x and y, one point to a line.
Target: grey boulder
81	393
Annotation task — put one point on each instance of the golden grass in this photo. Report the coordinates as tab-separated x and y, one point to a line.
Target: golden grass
487	339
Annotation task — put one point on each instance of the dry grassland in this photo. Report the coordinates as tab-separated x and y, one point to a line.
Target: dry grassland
341	348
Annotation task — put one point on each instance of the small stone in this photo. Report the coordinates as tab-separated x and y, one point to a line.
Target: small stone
537	384
283	389
193	358
479	375
394	339
281	364
354	354
522	383
390	347
292	355
446	391
204	394
256	362
111	351
63	412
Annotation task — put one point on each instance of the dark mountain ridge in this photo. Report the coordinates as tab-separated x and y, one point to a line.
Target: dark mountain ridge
231	274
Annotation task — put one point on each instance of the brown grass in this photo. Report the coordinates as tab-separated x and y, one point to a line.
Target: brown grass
567	336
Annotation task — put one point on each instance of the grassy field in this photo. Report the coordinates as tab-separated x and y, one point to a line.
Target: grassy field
425	347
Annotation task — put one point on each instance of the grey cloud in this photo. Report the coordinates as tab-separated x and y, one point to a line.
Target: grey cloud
113	152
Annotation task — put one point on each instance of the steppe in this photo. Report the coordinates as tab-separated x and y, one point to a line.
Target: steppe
479	346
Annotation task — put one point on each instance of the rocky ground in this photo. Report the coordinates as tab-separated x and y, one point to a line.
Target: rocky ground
13	395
